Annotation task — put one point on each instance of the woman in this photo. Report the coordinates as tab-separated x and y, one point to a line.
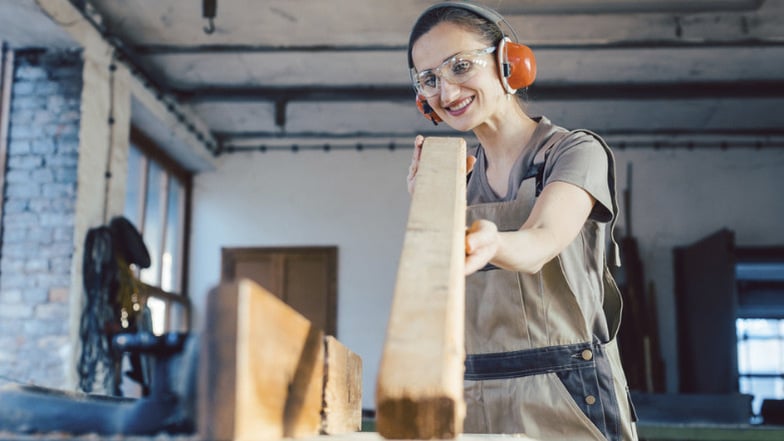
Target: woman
541	309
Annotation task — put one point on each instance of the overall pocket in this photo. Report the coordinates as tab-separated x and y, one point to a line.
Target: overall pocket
592	389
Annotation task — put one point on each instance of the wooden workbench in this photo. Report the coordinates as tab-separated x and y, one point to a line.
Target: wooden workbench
647	432
709	432
356	436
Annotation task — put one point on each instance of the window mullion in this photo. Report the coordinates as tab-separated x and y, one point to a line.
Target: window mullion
164	208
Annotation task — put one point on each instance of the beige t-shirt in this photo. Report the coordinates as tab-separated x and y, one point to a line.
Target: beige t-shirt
577	158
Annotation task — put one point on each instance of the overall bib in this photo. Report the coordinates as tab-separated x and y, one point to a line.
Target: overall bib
541	353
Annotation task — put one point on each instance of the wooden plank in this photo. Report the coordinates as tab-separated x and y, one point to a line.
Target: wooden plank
342	407
420	381
261	368
707	304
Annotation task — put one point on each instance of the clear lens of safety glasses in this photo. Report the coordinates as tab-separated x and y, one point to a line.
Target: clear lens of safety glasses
457	70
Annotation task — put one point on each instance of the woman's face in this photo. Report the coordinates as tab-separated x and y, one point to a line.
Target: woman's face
467	105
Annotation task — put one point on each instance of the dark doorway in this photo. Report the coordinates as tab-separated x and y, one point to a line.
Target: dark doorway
303	277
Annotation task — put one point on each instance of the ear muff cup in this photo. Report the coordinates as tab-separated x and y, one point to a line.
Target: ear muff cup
425	109
516	64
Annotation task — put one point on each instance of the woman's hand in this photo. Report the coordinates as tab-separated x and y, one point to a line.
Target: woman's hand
414	167
481	245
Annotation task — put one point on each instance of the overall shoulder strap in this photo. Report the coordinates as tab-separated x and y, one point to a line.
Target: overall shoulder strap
539	167
540	160
541	155
613	301
613	192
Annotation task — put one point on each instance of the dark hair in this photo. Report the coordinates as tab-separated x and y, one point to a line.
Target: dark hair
462	17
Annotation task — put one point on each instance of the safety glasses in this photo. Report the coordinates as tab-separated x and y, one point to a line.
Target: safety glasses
457	70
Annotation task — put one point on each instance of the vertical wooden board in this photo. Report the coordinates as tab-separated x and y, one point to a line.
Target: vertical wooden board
342	408
707	304
420	382
261	367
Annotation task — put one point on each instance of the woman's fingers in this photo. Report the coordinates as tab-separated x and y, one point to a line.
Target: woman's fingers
481	233
418	141
481	244
414	167
470	161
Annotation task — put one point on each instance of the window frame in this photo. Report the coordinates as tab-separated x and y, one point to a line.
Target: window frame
151	151
760	296
6	81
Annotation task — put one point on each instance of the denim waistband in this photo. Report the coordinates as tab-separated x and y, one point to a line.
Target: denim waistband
527	362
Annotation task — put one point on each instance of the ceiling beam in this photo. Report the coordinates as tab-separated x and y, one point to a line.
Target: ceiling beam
561	7
617	64
384	23
165	49
325	120
539	92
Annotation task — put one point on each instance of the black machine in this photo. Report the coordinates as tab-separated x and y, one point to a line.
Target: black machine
169	407
112	327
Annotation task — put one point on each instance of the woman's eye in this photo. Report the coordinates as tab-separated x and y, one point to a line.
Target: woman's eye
428	80
461	67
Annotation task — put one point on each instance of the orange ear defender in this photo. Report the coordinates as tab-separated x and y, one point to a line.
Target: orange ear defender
517	64
424	107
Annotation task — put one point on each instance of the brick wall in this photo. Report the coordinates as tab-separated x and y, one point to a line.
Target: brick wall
38	217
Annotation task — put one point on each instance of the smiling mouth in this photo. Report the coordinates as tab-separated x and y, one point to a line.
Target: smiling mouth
459	106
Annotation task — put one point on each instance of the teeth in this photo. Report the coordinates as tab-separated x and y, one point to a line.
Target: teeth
461	104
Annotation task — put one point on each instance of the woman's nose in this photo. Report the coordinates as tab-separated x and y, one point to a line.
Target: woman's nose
448	91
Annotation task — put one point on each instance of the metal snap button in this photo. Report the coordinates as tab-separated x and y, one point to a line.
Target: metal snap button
587	354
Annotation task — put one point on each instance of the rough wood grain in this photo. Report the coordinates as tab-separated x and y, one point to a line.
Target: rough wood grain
420	381
261	367
342	407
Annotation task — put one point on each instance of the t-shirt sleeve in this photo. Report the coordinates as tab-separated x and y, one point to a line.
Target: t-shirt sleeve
581	160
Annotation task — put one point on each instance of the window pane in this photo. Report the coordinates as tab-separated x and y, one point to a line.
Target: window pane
158	314
153	223
155	202
760	356
761	388
134	187
761	359
759	327
172	252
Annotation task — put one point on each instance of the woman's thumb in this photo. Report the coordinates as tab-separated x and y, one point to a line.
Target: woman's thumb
470	161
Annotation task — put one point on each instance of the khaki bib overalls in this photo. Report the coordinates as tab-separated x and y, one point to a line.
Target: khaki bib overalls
541	353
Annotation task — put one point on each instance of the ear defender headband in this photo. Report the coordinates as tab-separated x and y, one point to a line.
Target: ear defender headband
516	62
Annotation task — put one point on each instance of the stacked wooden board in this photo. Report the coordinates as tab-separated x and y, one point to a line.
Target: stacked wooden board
267	373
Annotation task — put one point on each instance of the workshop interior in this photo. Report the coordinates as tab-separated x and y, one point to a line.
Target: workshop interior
167	167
